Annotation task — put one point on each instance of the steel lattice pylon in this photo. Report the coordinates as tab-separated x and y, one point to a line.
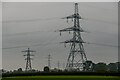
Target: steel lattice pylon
28	59
77	56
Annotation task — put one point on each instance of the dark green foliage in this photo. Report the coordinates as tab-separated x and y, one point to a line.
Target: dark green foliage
46	69
100	67
112	67
20	70
64	78
88	66
118	66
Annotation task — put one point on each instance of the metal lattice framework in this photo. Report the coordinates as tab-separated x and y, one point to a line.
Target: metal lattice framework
28	59
77	56
49	61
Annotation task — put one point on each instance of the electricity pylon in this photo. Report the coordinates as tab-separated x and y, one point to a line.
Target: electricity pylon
77	56
49	61
58	64
28	59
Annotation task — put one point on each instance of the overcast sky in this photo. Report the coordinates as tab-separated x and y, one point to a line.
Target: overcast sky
34	23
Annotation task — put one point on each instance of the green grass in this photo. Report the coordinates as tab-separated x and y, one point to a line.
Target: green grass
62	78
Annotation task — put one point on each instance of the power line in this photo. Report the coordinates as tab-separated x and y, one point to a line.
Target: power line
54	18
100	44
30	20
98	20
28	46
14	47
45	44
49	43
25	33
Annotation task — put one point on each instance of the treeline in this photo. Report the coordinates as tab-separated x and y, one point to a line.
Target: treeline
89	68
101	67
61	73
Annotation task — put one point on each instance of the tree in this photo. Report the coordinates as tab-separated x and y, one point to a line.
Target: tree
19	70
3	71
100	67
112	67
118	66
88	66
46	69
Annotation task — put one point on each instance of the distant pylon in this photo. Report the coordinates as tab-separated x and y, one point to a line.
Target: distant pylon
49	61
58	64
77	56
28	59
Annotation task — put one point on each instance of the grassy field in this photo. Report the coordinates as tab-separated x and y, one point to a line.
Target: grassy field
62	78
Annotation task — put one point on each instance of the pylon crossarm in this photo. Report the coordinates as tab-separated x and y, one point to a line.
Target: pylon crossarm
72	29
30	55
77	51
29	58
24	51
73	16
75	41
32	51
